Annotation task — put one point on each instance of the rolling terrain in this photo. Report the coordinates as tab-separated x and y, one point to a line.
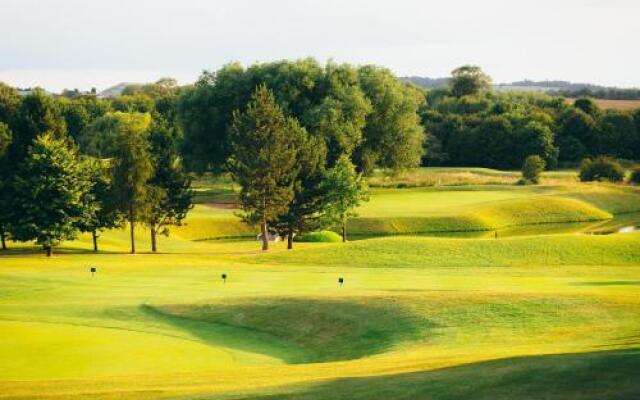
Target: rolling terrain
478	291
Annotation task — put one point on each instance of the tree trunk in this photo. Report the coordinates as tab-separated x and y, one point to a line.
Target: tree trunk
154	247
132	224
49	250
344	229
290	238
94	236
265	235
4	239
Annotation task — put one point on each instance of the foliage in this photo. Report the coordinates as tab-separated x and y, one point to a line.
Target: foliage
532	168
468	80
50	189
305	211
101	209
132	167
634	178
346	190
171	187
319	237
5	138
393	136
600	169
264	160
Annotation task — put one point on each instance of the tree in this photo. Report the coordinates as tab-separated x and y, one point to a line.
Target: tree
600	168
132	168
101	208
170	188
468	80
393	135
5	139
532	168
346	190
341	115
587	106
264	158
305	212
50	187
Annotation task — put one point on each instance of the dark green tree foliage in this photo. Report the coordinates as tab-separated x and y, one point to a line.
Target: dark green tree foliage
305	212
38	113
346	190
576	135
601	168
634	179
329	102
80	112
5	138
341	115
587	106
132	168
532	168
205	110
50	187
101	210
171	196
468	80
264	161
393	135
617	135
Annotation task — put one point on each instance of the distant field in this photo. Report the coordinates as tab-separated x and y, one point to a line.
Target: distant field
615	104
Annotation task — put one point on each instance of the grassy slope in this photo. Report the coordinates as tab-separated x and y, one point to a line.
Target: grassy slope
412	313
585	376
444	252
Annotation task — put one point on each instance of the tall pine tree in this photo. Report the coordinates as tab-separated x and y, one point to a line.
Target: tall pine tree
264	161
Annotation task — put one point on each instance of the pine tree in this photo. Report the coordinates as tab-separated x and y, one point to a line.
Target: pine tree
306	209
264	160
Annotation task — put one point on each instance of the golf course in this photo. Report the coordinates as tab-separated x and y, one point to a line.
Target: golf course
455	283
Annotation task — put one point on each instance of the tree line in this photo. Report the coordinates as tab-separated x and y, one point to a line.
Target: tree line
86	165
297	136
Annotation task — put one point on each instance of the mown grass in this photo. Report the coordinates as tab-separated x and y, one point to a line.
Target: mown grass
534	316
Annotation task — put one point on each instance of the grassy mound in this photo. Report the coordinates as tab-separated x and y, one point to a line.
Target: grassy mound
419	252
584	376
319	237
489	217
317	330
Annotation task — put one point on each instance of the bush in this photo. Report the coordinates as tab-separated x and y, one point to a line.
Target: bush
601	169
532	168
634	179
320	237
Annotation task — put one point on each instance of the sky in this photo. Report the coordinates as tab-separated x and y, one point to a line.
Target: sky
58	44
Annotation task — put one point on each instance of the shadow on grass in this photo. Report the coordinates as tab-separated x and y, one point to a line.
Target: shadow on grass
585	376
300	330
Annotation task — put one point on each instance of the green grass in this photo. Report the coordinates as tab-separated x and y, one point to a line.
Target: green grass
539	312
319	237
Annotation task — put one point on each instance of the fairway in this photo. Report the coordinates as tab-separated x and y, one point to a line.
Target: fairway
416	317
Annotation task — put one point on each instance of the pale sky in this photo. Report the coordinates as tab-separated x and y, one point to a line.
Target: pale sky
60	44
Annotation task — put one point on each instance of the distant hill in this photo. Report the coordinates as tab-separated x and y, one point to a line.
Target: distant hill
564	88
114	91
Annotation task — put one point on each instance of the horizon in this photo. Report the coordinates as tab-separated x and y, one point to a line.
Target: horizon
577	41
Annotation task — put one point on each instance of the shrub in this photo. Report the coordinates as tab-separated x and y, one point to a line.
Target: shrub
320	237
601	169
635	176
532	168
